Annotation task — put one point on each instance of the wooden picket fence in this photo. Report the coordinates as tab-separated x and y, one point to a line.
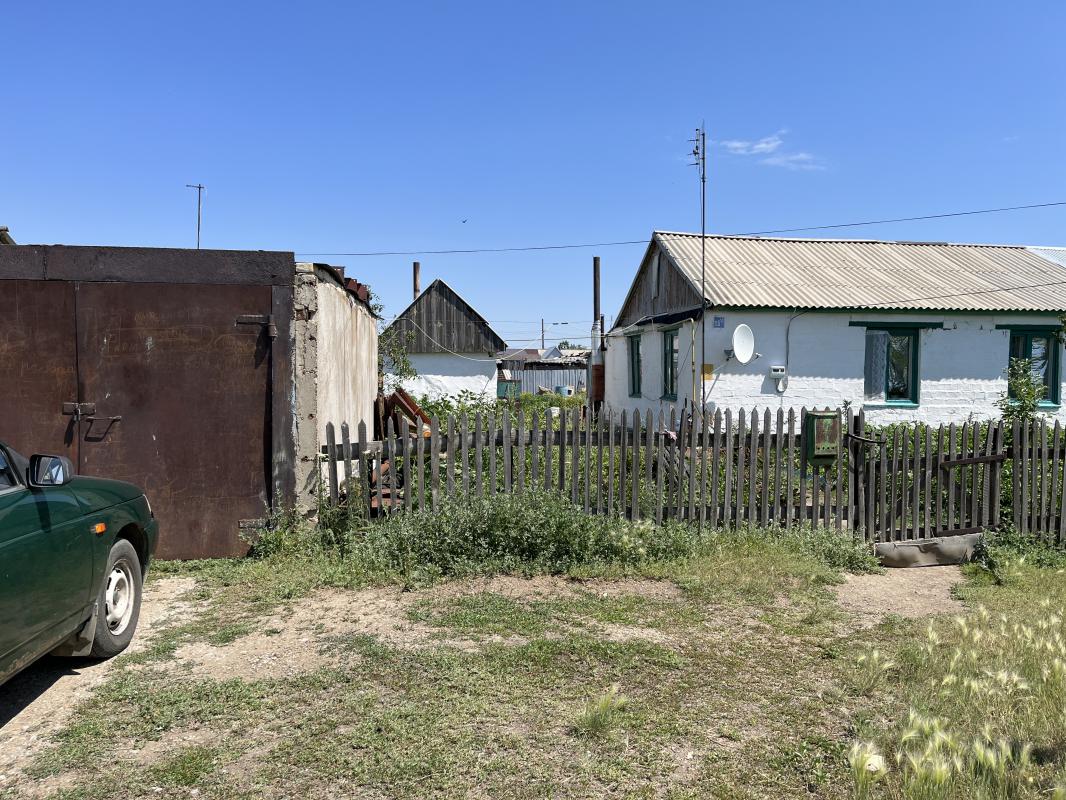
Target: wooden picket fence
899	483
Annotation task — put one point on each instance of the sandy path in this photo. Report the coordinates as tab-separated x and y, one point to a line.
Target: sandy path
915	592
38	702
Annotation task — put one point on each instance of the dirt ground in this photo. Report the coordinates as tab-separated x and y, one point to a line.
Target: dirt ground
914	592
37	702
298	637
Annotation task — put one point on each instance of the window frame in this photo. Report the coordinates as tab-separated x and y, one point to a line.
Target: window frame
915	383
669	366
635	365
1049	332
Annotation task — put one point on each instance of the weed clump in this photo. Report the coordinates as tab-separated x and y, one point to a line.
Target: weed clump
601	715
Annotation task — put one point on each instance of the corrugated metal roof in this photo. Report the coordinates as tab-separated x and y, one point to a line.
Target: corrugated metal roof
838	273
1056	254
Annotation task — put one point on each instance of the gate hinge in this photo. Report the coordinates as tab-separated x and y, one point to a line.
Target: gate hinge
260	319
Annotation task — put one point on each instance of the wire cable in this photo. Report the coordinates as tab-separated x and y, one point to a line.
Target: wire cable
645	241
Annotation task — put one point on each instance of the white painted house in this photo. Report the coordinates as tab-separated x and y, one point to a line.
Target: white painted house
450	345
908	331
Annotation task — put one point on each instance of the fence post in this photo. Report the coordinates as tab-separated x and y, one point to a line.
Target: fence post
331	462
364	469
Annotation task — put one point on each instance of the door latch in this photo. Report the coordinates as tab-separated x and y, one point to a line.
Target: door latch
79	410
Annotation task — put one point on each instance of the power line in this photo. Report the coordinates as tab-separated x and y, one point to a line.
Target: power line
645	241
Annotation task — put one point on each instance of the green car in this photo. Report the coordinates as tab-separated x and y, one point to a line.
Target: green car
73	553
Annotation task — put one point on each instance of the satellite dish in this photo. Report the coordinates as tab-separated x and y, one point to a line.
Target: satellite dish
743	344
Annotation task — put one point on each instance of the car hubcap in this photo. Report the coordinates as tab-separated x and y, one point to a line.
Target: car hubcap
118	597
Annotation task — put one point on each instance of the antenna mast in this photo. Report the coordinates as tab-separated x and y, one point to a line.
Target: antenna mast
199	187
699	160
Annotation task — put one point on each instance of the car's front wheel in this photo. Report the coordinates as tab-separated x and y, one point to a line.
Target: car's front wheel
119	602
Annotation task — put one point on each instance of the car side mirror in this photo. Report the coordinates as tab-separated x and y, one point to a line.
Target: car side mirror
46	471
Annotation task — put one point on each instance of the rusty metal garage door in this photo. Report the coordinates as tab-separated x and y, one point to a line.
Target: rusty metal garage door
182	404
38	366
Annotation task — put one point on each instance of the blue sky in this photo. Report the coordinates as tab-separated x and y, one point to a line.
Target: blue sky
345	127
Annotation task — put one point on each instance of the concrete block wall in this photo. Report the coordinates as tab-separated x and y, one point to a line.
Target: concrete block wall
961	367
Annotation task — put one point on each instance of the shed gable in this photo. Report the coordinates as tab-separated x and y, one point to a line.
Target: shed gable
440	321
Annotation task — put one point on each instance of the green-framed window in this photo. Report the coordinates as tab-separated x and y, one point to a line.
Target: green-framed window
891	373
633	343
1041	348
670	364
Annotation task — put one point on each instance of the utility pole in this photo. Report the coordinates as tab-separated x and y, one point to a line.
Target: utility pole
596	388
542	345
199	187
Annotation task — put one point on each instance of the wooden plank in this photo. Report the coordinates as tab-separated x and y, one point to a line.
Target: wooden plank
975	478
764	510
535	445
779	435
951	523
660	470
418	488
997	474
520	465
963	499
753	469
364	470
601	424
479	454
716	453
986	474
331	464
1060	533
391	475
893	527
1016	474
649	449
929	497
491	442
861	490
561	472
916	484
623	451
434	461
449	464
1053	496
872	484
938	476
408	471
801	508
1045	525
508	453
705	441
549	437
883	519
610	462
691	463
1026	429
586	455
574	456
464	453
741	422
634	473
346	455
838	519
790	466
727	489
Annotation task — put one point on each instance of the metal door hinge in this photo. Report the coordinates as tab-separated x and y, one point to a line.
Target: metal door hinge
79	410
260	319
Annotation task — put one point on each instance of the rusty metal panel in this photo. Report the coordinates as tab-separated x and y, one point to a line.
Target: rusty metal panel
37	366
193	392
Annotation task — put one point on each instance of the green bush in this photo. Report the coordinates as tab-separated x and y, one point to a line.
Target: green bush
536	532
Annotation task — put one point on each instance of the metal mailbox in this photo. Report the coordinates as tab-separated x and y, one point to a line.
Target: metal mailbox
822	429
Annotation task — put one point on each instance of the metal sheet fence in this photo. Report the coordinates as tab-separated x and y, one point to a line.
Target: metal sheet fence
728	469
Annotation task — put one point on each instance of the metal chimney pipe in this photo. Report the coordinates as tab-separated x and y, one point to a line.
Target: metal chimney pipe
416	276
596	359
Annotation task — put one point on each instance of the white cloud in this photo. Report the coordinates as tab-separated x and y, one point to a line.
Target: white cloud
773	151
805	161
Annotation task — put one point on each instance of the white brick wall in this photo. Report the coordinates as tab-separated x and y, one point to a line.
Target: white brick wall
961	367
